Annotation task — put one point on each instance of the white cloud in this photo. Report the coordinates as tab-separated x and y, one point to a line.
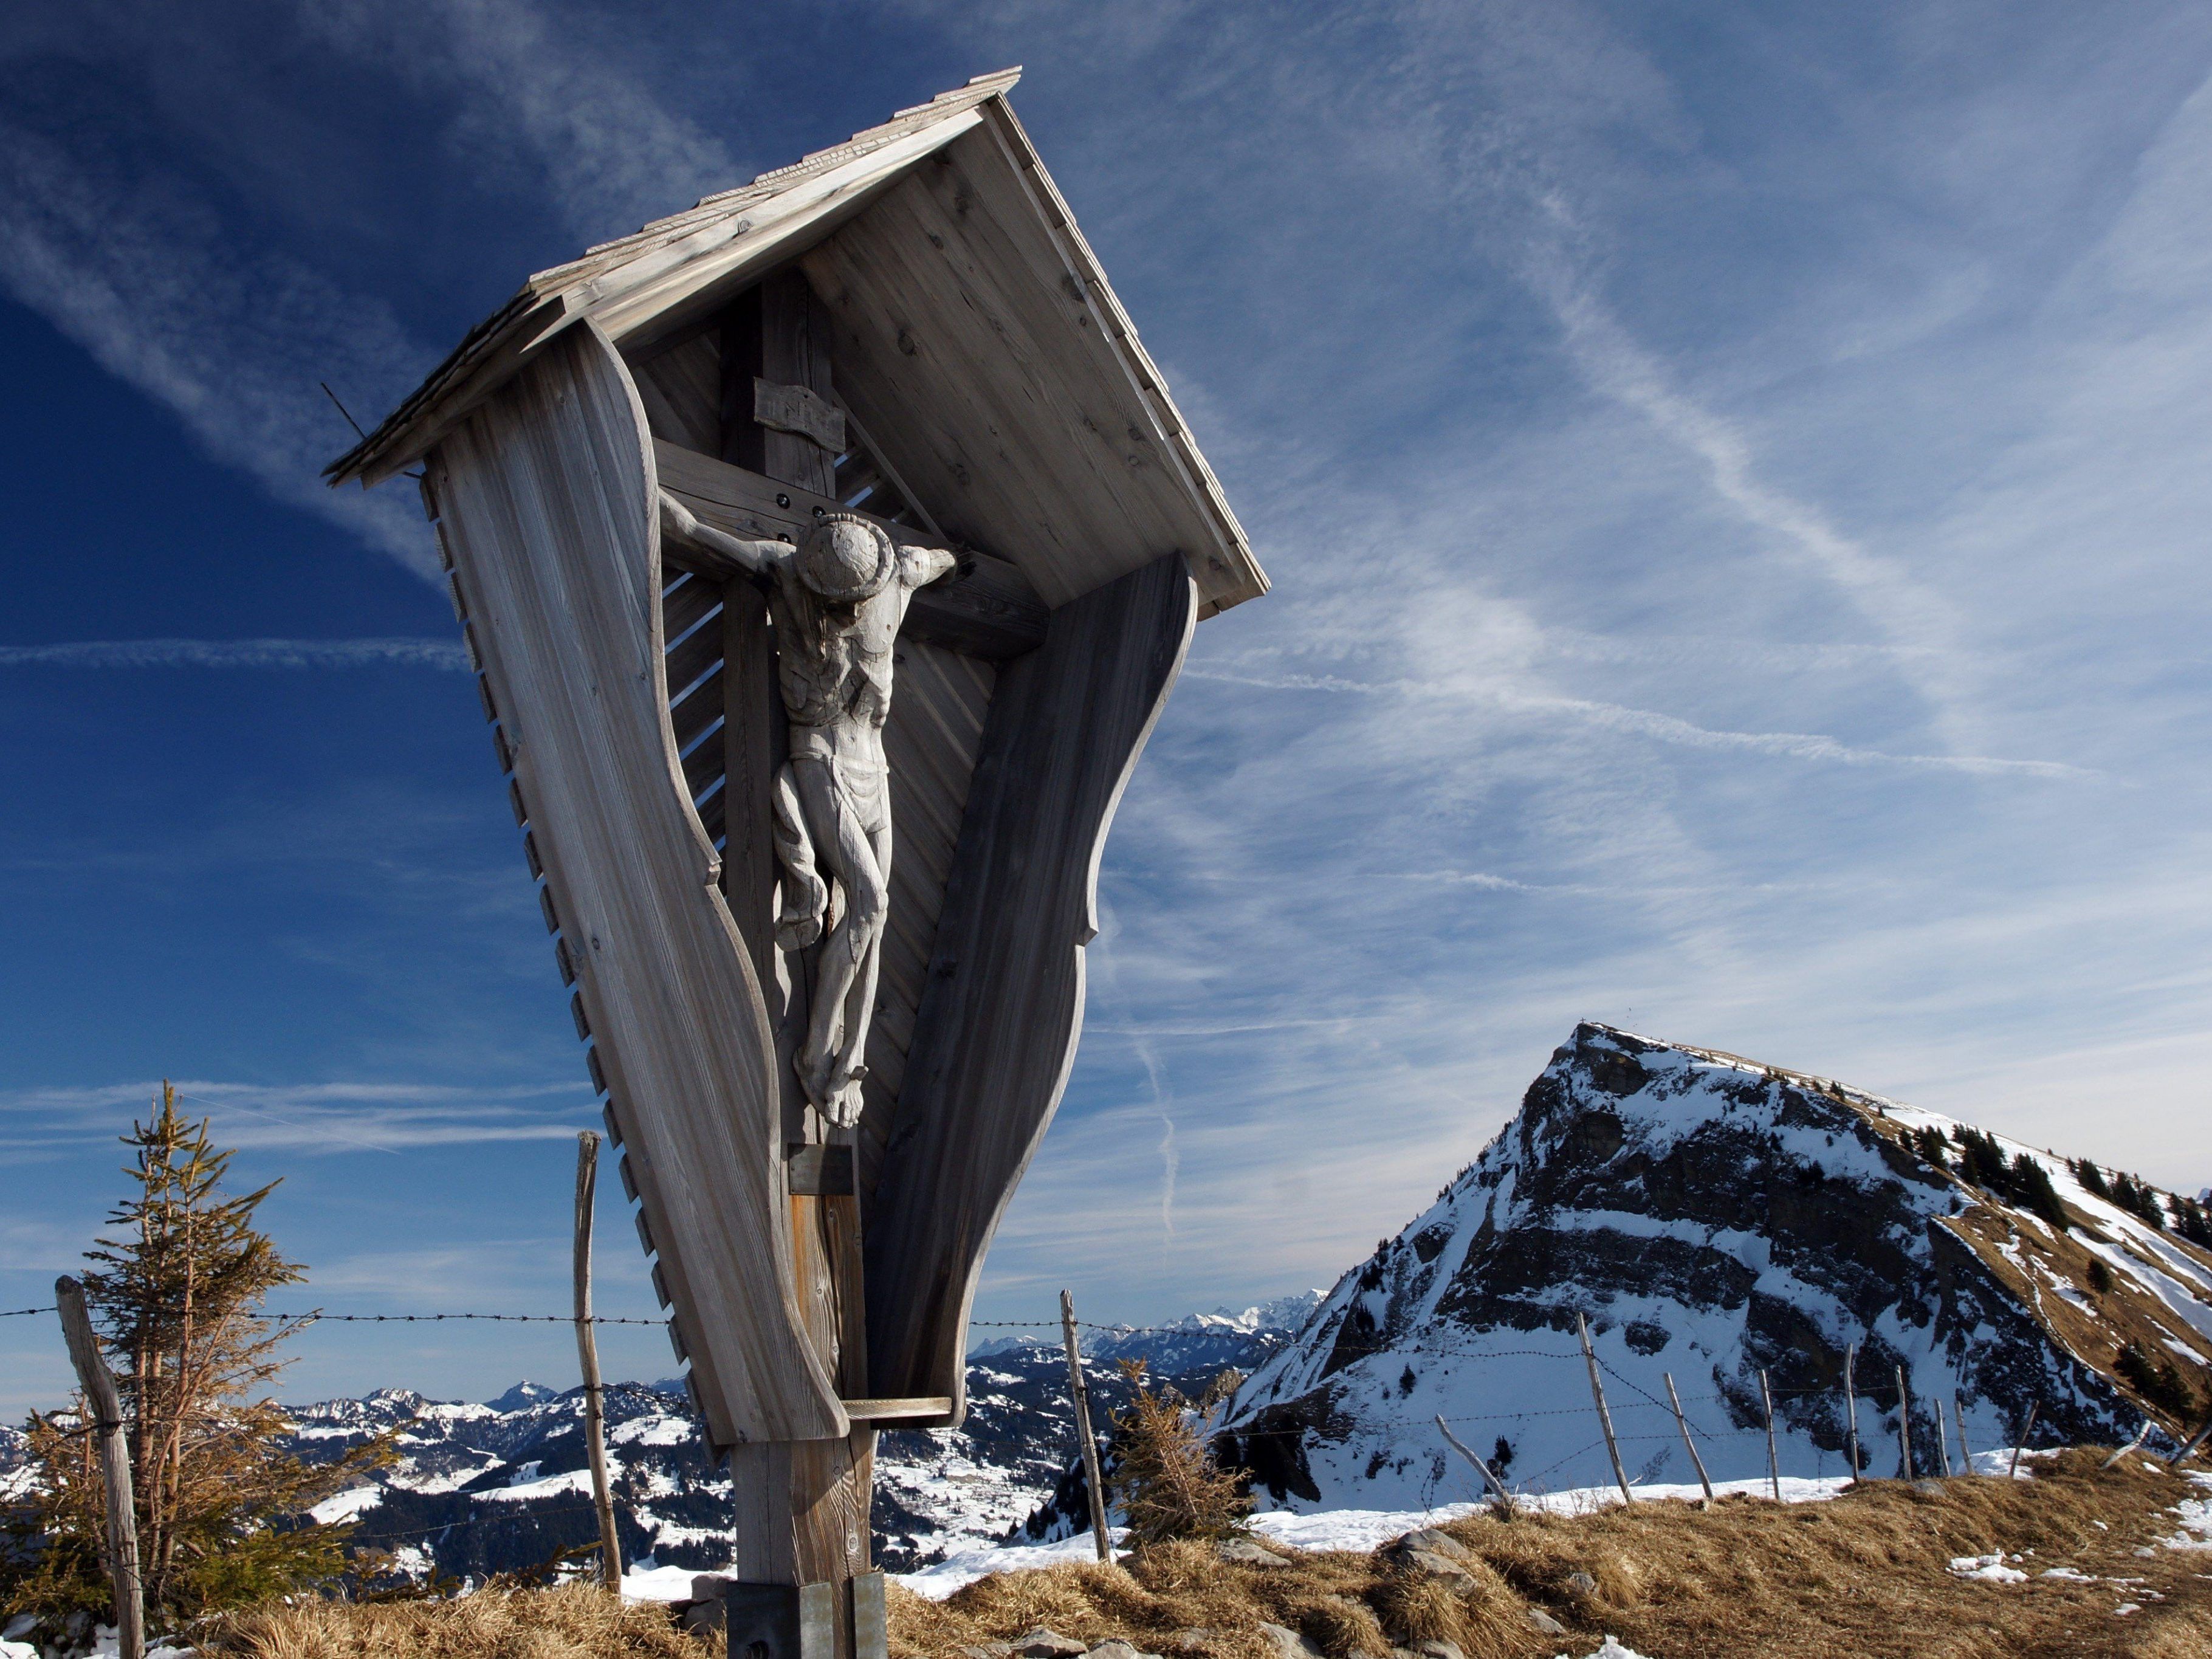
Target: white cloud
236	654
235	344
331	1118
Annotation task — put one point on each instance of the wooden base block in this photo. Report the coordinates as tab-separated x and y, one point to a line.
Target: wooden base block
802	1621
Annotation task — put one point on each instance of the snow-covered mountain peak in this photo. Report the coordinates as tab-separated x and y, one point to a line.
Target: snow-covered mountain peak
1714	1218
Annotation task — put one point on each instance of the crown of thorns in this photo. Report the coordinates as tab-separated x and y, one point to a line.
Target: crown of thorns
831	576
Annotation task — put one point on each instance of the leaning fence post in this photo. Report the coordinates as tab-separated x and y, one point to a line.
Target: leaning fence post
1942	1438
2141	1434
1505	1498
2193	1442
99	1385
1958	1416
1081	1392
2021	1444
1773	1463
1683	1424
1604	1416
1852	1403
588	1353
1903	1424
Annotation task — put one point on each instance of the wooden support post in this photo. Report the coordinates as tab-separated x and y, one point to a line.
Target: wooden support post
1773	1462
1604	1416
1942	1439
1689	1445
587	1355
2141	1434
2190	1445
1505	1498
100	1393
802	1506
1958	1416
1904	1424
2021	1444
1852	1403
1081	1392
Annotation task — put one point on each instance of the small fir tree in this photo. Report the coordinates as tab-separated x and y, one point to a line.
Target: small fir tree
2155	1380
1165	1479
221	1510
2091	1178
2032	1190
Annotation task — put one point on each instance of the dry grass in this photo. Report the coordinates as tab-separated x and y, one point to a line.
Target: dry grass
1862	1577
1866	1575
576	1622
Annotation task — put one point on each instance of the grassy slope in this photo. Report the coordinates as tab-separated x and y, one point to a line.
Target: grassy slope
1866	1575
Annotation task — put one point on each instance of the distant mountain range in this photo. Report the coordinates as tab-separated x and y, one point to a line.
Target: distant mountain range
1717	1219
499	1486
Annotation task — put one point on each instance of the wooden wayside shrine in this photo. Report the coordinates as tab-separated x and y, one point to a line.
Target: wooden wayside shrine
827	552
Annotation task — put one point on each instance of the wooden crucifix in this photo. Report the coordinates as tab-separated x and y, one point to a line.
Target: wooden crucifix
827	552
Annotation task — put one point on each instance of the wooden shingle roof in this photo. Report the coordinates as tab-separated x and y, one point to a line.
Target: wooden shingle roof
997	355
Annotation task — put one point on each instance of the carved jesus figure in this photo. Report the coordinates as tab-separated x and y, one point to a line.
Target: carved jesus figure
836	598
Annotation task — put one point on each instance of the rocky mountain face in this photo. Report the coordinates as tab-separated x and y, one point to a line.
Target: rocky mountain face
1725	1222
503	1486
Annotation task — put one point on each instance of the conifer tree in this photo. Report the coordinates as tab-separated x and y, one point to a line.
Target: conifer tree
1165	1480
177	1292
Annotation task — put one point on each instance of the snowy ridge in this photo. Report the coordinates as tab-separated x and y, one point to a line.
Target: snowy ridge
1195	1342
1712	1218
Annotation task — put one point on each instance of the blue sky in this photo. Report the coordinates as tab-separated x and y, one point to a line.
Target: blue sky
1733	478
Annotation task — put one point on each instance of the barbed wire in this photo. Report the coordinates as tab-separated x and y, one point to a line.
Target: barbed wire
318	1317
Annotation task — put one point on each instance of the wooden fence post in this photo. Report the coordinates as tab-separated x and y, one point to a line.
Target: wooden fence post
1852	1403
587	1352
99	1385
1903	1424
1604	1416
2021	1444
1942	1438
1081	1392
2141	1434
1958	1416
2190	1445
1773	1462
1505	1498
1683	1424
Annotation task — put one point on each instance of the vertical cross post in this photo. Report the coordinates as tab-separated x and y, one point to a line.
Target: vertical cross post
805	1589
100	1393
1958	1416
1773	1462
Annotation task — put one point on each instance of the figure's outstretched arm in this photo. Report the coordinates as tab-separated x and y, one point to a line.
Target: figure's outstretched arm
679	523
925	565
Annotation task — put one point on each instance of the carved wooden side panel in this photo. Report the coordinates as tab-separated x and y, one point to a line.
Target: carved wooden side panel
999	1021
547	491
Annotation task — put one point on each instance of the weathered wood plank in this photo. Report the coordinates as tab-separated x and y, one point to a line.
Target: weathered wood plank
887	1411
775	332
935	733
998	1026
987	609
681	391
548	497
